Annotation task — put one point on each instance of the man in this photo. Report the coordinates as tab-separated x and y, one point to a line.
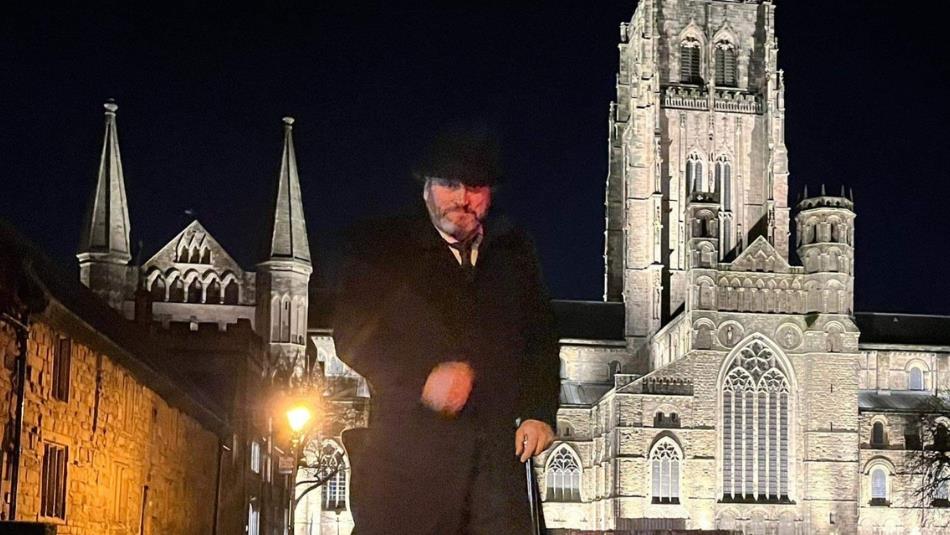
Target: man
445	314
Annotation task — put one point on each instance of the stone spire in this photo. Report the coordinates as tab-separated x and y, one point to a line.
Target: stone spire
105	231
288	229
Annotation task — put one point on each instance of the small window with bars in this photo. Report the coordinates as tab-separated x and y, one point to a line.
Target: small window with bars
690	62
53	485
62	356
725	64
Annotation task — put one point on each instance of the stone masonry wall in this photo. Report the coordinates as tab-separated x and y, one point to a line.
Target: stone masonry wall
127	447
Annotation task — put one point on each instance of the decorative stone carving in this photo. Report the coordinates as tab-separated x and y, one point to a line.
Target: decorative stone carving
789	336
730	333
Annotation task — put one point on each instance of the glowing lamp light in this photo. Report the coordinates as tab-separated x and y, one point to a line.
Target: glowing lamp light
298	418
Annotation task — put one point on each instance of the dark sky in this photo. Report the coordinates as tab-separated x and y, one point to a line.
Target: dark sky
201	92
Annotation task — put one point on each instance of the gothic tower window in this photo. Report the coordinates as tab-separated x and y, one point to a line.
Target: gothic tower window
665	459
695	178
755	434
206	255
724	181
275	319
195	256
285	320
725	64
563	477
690	62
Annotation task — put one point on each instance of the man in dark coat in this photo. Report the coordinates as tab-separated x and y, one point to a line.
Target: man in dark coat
445	313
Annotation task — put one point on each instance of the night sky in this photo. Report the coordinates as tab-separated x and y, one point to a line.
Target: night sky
201	92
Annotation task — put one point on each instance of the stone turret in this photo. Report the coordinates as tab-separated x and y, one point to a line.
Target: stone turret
104	249
825	245
283	274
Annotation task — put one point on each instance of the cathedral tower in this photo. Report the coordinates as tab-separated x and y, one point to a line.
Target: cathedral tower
283	275
825	245
104	251
699	109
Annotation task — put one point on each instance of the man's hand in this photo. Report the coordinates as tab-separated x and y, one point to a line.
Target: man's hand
448	387
531	438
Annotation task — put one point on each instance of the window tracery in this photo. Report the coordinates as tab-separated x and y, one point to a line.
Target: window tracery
563	477
755	438
665	459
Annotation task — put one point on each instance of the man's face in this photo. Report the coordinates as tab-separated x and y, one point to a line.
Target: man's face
454	208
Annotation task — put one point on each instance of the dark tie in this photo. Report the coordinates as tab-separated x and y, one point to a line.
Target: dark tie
465	252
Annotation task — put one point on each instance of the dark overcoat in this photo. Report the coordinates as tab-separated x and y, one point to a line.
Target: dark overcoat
405	305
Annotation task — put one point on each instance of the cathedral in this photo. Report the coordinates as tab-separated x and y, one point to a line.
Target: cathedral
725	382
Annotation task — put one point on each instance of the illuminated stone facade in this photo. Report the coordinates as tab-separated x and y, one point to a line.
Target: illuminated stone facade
741	391
132	458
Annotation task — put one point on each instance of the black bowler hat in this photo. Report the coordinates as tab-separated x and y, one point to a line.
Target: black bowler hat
469	154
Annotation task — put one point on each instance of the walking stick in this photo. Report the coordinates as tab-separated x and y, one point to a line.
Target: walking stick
534	501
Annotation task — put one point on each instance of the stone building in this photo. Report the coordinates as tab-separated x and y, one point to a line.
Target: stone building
202	305
724	382
733	389
104	437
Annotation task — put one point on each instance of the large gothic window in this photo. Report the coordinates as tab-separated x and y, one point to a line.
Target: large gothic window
665	459
563	477
214	293
725	64
755	419
194	291
176	293
690	62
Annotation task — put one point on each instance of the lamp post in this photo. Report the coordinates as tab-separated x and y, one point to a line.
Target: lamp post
298	417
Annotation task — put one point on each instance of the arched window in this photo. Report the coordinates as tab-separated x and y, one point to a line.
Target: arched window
755	436
563	477
194	291
695	178
176	293
195	256
665	461
158	289
231	293
206	255
214	293
878	486
877	434
690	62
334	492
301	322
915	379
725	64
275	319
724	182
285	320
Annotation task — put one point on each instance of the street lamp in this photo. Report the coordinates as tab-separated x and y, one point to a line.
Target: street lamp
298	416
